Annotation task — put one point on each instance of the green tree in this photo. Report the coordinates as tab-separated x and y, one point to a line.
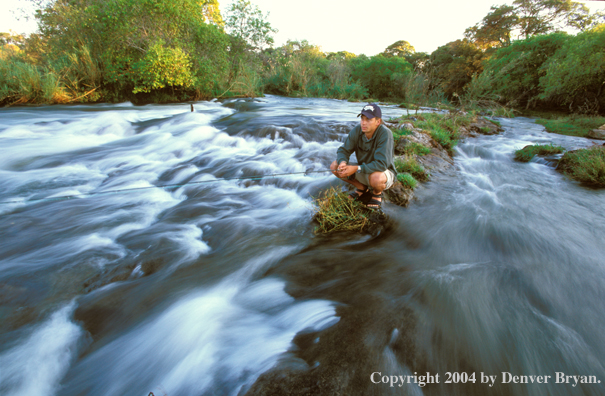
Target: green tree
246	21
384	77
399	48
495	28
124	38
249	32
515	71
453	65
545	16
574	76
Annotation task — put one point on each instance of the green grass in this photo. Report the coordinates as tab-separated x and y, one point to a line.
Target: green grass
444	128
408	164
572	125
528	152
398	133
407	180
337	212
585	165
416	148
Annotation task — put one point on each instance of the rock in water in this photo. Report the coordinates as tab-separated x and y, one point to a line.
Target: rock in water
597	133
378	222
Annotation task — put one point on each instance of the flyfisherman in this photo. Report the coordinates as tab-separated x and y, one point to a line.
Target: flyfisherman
372	143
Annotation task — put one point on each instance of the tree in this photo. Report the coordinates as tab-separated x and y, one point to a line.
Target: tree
246	22
495	28
384	77
125	41
545	16
453	65
515	71
574	76
399	48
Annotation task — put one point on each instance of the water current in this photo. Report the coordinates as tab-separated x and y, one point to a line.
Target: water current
221	288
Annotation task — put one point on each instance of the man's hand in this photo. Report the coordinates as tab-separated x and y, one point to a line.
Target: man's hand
345	170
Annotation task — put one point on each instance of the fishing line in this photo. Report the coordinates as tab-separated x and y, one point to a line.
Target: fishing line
274	175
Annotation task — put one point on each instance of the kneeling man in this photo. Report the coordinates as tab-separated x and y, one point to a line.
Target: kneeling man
372	143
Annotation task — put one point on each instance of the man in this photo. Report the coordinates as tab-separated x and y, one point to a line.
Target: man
372	143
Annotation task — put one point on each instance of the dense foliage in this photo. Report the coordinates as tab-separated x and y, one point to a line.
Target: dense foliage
175	50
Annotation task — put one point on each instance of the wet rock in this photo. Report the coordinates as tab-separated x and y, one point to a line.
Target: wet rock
399	195
485	127
597	133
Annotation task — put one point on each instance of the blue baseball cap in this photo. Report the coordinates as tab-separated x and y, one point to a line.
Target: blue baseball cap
371	110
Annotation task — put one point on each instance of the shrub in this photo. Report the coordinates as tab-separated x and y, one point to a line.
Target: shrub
528	152
585	165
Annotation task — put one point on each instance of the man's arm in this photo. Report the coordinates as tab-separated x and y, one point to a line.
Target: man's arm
344	152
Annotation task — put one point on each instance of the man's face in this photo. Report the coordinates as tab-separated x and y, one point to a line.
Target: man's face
369	125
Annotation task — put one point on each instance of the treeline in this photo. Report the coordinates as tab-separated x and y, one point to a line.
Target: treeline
178	50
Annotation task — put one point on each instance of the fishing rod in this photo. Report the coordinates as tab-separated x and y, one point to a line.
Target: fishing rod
273	175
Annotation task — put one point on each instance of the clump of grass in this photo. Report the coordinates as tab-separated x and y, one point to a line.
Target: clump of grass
572	125
416	148
585	165
444	138
400	132
408	164
407	180
495	122
528	152
337	212
444	128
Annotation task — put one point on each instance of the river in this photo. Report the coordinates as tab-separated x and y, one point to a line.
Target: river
220	287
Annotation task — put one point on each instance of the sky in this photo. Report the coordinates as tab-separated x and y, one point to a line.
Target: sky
357	26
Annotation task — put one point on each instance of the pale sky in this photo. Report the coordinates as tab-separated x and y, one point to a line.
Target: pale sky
357	26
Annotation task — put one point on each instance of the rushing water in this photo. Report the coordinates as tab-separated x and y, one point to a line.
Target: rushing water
220	287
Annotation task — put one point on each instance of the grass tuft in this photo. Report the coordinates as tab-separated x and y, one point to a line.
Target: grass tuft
337	212
407	180
585	165
528	152
416	148
408	164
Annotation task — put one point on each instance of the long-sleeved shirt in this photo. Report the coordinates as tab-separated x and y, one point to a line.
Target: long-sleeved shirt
374	155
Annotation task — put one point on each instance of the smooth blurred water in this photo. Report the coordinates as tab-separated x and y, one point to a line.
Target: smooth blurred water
221	287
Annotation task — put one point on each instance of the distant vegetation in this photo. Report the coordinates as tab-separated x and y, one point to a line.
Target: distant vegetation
572	125
177	50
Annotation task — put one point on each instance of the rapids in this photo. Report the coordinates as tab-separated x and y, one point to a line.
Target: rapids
221	287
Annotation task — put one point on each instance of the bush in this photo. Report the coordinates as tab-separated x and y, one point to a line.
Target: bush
585	165
528	152
514	71
574	75
337	212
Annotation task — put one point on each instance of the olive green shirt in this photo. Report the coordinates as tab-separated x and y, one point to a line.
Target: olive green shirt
374	155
